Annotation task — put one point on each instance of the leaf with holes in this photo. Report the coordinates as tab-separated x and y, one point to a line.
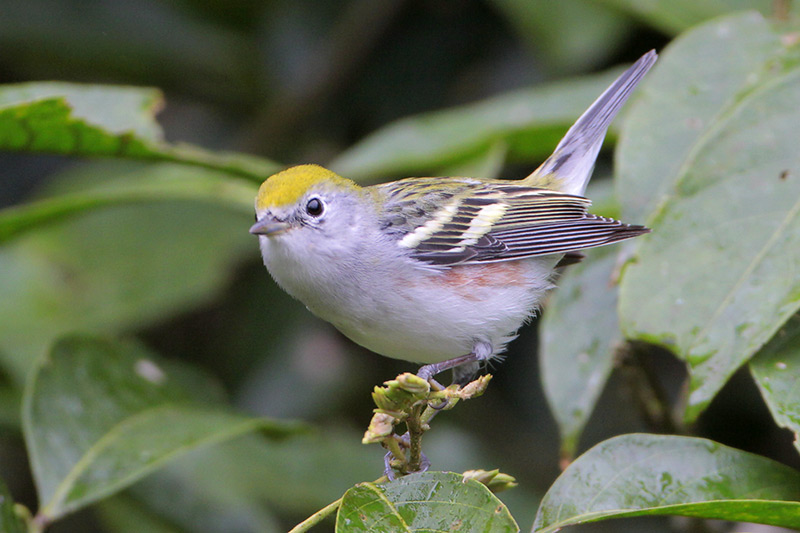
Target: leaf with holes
102	120
431	501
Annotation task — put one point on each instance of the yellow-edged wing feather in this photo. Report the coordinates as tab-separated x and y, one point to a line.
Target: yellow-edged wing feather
475	221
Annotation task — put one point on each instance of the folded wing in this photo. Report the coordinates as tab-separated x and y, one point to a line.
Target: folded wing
504	222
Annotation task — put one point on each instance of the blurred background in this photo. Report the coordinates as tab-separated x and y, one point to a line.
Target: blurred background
299	81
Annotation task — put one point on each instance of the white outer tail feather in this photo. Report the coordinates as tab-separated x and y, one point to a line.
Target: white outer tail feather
573	159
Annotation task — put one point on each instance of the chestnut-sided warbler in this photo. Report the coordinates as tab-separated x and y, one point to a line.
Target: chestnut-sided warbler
439	271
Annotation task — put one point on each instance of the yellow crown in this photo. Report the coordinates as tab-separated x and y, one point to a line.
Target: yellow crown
288	186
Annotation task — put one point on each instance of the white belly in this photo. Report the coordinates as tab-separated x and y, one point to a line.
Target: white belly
426	316
443	314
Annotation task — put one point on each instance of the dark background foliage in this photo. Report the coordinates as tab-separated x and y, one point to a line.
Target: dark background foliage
303	81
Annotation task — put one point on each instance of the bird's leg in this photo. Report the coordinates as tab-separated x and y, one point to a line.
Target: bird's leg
388	471
436	386
428	371
481	351
464	368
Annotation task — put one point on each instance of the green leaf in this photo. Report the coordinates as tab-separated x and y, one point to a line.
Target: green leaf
257	470
123	514
99	120
776	369
717	276
10	520
241	480
164	184
9	406
432	501
486	164
684	103
675	16
118	268
576	361
646	475
205	507
26	109
298	474
98	416
530	122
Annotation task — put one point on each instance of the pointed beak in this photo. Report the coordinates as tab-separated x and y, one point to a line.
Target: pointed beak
268	226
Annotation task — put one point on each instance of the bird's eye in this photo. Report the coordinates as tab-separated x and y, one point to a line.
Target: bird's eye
315	207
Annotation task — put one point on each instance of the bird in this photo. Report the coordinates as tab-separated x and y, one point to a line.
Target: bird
439	271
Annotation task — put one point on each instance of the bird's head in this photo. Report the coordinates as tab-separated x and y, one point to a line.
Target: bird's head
305	199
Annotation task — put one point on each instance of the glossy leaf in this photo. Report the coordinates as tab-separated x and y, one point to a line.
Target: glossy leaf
646	475
431	501
530	122
684	102
98	120
98	416
776	369
575	361
10	521
716	278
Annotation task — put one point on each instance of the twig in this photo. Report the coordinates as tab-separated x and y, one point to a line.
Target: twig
317	517
413	401
415	431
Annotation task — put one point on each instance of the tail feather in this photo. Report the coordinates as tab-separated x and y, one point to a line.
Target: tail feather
570	166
